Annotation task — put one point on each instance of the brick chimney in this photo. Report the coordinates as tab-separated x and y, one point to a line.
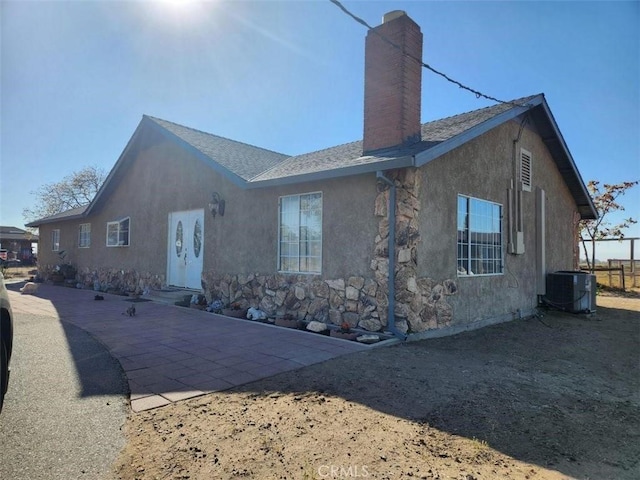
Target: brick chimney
392	83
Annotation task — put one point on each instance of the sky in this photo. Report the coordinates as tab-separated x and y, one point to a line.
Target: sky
77	76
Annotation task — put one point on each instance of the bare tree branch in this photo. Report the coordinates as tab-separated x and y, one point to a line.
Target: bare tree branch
74	190
605	199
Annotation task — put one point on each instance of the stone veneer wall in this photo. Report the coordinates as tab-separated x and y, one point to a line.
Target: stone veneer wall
113	279
421	303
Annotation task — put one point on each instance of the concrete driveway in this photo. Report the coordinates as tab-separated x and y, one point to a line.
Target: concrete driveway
171	353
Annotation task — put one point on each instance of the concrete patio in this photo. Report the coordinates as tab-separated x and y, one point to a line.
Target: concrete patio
171	353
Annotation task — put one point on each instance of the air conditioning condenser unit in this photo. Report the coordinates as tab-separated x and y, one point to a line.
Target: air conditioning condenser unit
571	291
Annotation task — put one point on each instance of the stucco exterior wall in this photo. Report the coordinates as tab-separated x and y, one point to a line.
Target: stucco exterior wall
164	178
483	168
241	247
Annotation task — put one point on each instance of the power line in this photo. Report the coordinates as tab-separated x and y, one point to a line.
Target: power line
477	93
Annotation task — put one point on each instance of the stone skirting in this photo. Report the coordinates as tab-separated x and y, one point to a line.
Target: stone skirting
111	279
360	302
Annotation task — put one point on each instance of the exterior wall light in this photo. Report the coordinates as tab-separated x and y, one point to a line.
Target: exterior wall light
216	205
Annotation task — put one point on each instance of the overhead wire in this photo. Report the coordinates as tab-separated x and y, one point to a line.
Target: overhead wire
477	93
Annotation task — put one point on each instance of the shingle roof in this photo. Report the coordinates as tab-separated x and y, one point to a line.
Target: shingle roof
66	215
14	233
254	167
350	155
244	160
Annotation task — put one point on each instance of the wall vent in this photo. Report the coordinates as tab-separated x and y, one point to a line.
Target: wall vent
525	169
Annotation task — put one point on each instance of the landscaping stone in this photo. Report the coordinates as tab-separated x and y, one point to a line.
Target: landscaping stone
317	327
368	339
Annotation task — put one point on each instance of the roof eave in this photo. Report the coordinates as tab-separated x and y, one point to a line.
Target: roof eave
387	164
586	208
454	142
46	220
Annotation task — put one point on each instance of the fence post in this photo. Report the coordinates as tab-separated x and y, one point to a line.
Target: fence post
622	274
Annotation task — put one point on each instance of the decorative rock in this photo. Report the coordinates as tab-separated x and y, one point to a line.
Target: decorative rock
372	324
380	206
405	210
335	300
335	316
370	288
369	309
281	295
450	287
436	292
350	318
402	325
290	300
317	326
268	305
299	293
383	228
356	282
412	285
445	313
368	339
318	304
404	255
320	289
269	292
352	293
336	284
351	306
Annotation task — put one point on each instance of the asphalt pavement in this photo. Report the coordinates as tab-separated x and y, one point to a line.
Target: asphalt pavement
66	406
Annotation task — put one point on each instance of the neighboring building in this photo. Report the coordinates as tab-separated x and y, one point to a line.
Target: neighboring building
475	210
17	244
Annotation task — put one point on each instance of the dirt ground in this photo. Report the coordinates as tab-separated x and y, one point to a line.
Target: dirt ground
546	398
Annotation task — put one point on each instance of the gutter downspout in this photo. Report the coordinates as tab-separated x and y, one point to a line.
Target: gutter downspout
391	318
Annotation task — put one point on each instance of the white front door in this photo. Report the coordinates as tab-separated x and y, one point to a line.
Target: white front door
185	249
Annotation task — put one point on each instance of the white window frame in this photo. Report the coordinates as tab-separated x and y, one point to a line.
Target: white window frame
55	240
120	232
299	268
477	255
84	235
526	169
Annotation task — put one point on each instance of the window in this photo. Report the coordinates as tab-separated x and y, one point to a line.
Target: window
479	237
300	233
525	169
84	235
55	240
118	233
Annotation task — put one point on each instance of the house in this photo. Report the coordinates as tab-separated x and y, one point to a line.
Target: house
418	228
16	244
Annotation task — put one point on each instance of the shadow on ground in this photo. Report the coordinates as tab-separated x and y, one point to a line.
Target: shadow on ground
97	371
561	392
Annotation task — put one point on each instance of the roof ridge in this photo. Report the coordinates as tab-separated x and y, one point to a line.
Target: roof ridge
512	104
214	135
